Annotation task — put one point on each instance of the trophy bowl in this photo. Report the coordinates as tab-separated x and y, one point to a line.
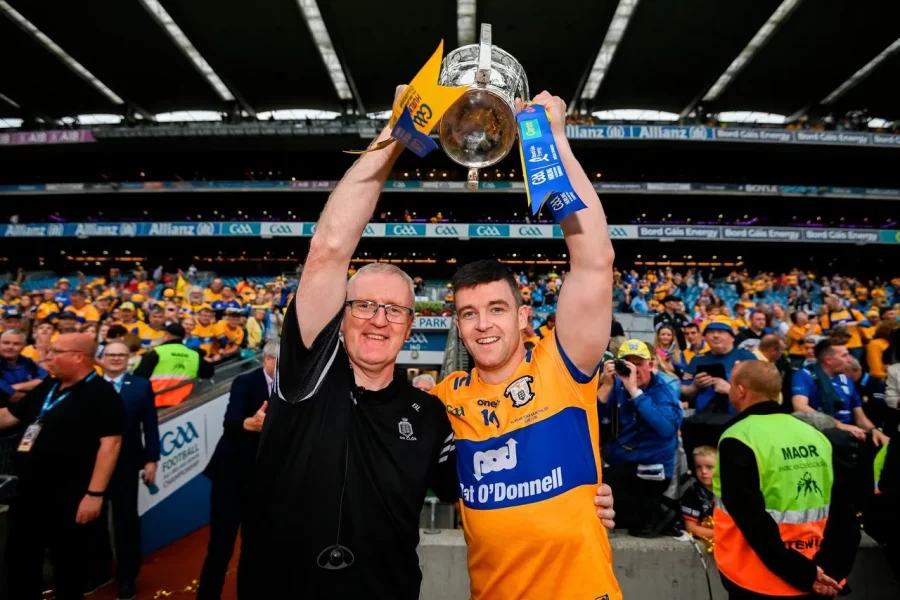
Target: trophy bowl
480	129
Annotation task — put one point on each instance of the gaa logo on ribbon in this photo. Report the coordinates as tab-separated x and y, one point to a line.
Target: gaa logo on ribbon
171	441
531	231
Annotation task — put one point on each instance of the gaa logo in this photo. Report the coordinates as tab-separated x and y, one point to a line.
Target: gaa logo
445	230
531	231
487	231
417	339
282	228
241	229
171	441
405	230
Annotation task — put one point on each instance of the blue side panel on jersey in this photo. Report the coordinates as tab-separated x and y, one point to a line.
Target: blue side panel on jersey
532	464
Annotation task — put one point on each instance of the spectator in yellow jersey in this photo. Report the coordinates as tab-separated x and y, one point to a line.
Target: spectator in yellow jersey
43	336
153	332
194	301
47	308
84	312
229	334
695	344
205	333
836	315
257	327
10	295
214	293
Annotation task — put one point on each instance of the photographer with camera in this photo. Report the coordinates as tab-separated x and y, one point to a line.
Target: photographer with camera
639	420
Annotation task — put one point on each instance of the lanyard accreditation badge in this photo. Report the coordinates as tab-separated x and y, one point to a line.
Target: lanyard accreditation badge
31	433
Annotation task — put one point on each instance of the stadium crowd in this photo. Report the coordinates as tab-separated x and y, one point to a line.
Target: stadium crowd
835	340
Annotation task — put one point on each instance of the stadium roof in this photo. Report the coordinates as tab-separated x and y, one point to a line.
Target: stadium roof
145	57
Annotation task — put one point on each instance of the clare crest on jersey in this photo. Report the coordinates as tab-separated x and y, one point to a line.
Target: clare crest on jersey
519	391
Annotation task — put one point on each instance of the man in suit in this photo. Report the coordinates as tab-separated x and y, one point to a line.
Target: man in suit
231	469
137	455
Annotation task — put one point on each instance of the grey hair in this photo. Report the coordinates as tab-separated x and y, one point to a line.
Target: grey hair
424	377
272	349
854	364
195	289
9	332
387	269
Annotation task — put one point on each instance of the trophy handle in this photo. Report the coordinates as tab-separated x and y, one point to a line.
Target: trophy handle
472	182
483	76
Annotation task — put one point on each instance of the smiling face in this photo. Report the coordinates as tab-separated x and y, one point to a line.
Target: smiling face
374	343
491	322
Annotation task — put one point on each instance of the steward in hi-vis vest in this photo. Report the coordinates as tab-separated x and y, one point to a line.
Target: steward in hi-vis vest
170	364
782	526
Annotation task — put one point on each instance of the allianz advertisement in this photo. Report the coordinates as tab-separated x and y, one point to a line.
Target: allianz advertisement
186	443
459	231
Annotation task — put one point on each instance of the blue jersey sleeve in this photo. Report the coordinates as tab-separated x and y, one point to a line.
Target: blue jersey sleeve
802	384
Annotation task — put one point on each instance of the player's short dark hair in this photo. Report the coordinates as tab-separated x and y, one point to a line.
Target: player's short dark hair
482	272
826	347
689	325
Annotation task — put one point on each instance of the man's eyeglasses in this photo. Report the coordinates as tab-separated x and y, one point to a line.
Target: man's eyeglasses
58	351
365	309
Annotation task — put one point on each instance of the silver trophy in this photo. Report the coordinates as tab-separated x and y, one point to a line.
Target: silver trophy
479	129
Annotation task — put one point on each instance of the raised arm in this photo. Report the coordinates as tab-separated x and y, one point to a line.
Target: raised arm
584	313
323	285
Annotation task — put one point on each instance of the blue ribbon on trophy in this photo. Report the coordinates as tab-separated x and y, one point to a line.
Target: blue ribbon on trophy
546	181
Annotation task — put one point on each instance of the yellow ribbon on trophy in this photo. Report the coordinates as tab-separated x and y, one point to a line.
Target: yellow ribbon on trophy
419	109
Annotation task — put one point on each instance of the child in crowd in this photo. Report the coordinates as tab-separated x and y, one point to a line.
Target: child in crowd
698	501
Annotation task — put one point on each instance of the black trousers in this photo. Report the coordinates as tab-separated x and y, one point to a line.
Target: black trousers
638	500
123	495
228	503
36	525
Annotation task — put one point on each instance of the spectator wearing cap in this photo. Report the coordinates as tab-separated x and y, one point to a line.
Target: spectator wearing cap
643	415
673	318
62	292
170	364
12	320
67	322
700	385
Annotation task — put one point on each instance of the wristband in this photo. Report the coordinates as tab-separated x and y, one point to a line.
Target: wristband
94	494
